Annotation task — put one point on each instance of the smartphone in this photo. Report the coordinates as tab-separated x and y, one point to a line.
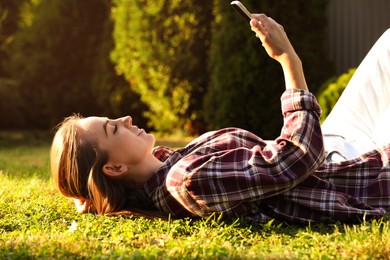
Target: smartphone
241	9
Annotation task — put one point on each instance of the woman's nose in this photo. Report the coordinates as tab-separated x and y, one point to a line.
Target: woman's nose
127	120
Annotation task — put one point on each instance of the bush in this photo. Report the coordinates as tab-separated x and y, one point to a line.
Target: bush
245	84
161	49
60	58
10	116
331	91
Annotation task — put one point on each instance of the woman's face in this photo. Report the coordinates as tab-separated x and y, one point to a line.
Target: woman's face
124	142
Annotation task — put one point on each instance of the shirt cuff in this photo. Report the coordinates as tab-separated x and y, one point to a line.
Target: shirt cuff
298	99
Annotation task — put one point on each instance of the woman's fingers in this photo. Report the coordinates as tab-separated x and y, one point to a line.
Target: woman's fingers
262	25
272	36
84	205
259	24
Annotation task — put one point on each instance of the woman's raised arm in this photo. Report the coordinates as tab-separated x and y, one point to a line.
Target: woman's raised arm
279	47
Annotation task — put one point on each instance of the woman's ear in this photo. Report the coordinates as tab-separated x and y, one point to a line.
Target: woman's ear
116	170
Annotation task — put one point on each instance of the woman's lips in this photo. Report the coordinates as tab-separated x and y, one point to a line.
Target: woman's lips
140	131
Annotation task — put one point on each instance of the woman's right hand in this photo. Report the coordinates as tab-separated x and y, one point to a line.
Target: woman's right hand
84	205
279	47
273	37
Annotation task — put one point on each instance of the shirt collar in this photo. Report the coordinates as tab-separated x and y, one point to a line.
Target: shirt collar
170	158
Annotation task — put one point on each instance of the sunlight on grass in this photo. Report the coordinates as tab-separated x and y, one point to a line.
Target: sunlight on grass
173	142
37	222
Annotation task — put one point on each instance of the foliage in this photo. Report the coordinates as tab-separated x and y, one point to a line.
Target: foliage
37	223
54	80
10	98
195	64
60	61
161	48
331	91
9	19
245	85
10	104
113	93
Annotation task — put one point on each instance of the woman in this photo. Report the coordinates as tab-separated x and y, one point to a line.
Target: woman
110	166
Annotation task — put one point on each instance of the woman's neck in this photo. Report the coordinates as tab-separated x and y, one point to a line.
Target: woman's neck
144	170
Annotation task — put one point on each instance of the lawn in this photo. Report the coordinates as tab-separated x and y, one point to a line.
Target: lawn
36	222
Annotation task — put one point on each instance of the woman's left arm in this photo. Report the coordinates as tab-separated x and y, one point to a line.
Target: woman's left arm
224	180
234	172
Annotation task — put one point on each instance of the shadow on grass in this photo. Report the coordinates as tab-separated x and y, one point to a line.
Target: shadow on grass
25	154
273	227
25	138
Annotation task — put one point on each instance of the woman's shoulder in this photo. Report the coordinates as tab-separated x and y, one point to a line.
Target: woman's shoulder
224	139
234	131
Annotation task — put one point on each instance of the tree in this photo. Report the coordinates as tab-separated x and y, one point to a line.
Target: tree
9	18
245	84
61	60
115	95
161	48
10	99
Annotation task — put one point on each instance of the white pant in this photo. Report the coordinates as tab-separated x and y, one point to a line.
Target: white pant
360	120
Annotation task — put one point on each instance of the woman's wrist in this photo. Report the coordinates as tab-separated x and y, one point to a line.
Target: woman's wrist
290	59
293	72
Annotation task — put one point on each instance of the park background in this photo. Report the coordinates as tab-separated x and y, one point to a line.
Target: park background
177	67
184	67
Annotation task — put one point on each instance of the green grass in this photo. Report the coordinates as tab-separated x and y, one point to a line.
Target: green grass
36	222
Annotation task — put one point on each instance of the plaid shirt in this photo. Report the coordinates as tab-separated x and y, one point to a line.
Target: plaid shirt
235	172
